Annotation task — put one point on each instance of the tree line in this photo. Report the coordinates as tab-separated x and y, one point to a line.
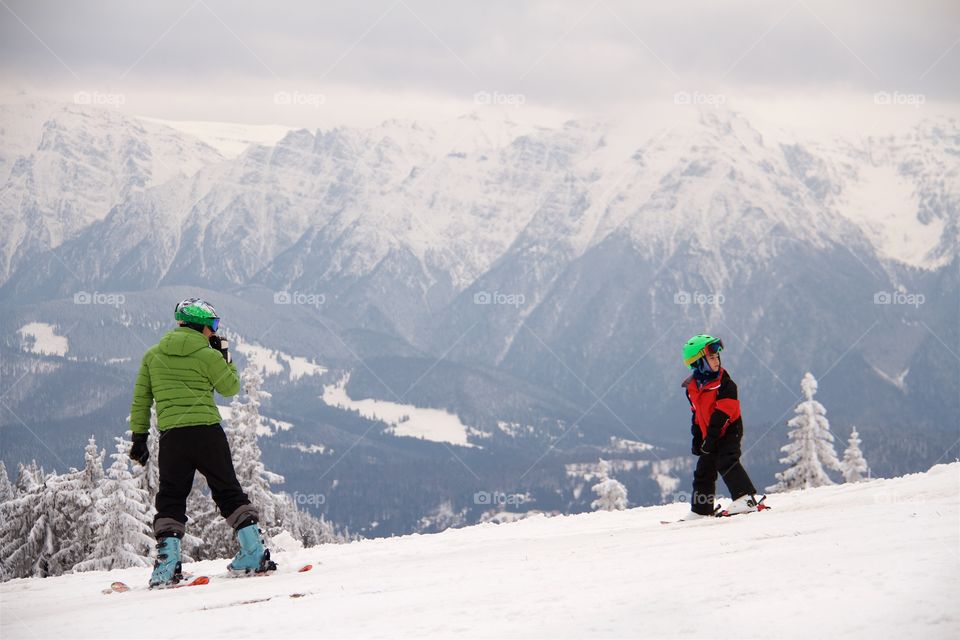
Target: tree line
99	519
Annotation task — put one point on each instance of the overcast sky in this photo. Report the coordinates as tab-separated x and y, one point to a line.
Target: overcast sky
314	63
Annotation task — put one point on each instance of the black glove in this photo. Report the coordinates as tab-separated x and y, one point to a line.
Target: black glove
708	447
139	452
221	345
696	444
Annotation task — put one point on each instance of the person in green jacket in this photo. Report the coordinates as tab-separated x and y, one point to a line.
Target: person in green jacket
180	374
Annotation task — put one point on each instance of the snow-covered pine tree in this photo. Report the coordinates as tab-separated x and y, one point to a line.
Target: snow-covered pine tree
316	531
93	463
611	494
811	445
291	518
854	464
149	474
6	487
304	526
29	477
123	536
208	534
68	501
78	503
23	526
242	434
46	526
7	494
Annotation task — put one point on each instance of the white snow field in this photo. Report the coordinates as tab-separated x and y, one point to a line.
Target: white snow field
869	560
436	425
42	338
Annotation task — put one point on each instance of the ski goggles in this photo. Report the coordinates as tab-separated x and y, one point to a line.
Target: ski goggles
215	324
713	347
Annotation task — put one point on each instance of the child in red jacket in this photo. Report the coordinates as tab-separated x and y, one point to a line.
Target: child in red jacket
717	430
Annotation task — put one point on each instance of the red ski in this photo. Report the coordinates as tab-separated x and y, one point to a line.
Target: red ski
263	574
122	587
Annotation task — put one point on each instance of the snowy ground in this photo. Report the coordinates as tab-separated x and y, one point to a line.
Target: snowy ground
436	425
872	560
268	361
42	338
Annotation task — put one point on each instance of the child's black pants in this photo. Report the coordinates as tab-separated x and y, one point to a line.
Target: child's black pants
726	461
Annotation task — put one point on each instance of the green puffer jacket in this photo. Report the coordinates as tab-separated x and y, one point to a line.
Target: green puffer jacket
180	373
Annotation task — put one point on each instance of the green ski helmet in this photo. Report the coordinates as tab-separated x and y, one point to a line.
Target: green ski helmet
197	311
699	346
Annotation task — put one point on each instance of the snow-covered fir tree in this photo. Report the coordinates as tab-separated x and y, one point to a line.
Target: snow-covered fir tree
70	502
444	516
6	487
148	475
318	531
292	518
208	534
84	519
242	432
123	534
611	494
48	525
854	464
93	463
811	444
23	527
67	502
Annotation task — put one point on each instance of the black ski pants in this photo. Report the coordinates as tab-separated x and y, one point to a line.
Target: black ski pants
185	450
726	462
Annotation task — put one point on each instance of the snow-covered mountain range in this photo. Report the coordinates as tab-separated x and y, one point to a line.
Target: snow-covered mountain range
450	201
64	167
542	277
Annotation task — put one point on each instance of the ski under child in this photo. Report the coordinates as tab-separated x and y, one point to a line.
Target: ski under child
180	373
717	430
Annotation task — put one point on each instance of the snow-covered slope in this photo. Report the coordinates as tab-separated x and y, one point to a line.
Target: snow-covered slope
408	420
901	191
876	559
229	138
42	338
273	362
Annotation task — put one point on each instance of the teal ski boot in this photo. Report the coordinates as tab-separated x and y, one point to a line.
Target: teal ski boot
252	557
167	569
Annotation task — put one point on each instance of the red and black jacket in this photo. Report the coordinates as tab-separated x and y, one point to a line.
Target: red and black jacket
714	405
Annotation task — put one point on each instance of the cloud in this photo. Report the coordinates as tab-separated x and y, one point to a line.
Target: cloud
565	57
